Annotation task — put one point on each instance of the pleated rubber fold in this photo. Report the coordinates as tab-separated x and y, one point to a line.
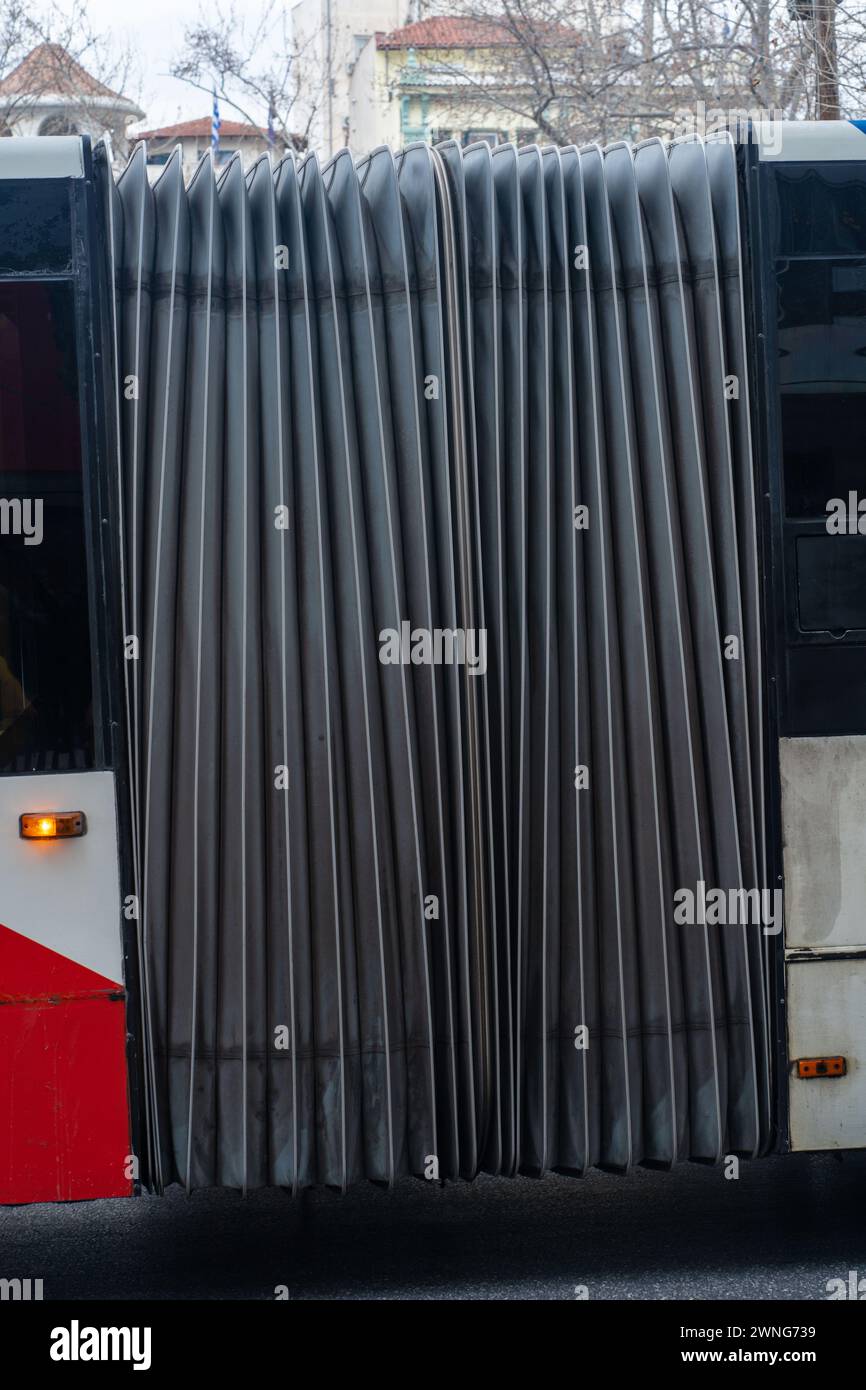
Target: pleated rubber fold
406	916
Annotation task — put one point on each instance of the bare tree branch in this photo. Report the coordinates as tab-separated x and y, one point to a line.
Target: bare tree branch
253	64
581	69
74	44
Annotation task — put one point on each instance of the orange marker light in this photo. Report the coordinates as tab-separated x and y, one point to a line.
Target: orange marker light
52	825
808	1067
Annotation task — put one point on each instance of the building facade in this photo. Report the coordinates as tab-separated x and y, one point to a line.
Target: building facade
50	93
331	36
432	80
194	139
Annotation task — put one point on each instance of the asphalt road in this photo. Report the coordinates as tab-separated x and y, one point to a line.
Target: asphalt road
781	1230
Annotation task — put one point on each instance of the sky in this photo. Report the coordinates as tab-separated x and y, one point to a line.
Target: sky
155	29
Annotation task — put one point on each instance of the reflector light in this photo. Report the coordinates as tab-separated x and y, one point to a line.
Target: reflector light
52	825
821	1066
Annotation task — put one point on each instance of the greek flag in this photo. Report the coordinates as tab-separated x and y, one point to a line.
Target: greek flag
215	125
272	134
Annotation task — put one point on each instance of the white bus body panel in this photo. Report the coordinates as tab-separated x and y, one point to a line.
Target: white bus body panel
64	894
40	157
823	784
824	838
827	1017
809	142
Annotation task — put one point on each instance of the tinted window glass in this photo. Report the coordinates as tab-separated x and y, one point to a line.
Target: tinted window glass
820	211
45	667
831	583
822	378
35	226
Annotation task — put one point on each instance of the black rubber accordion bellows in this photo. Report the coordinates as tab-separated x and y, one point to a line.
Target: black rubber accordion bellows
441	599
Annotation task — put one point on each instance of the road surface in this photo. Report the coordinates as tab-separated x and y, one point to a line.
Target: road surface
781	1230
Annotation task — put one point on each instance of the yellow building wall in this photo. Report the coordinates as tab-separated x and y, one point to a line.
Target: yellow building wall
389	107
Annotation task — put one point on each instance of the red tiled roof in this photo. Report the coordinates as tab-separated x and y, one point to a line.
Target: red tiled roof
49	68
446	32
201	128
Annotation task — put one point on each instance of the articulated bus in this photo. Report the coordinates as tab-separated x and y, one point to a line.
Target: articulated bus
432	661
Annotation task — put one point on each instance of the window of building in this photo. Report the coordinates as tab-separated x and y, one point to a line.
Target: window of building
492	137
58	125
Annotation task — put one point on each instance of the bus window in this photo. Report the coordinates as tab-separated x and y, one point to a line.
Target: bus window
822	376
46	719
820	211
